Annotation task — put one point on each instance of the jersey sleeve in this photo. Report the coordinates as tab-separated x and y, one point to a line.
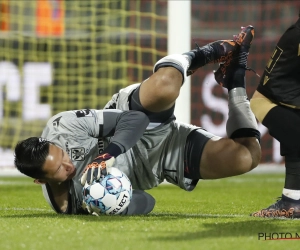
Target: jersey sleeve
124	128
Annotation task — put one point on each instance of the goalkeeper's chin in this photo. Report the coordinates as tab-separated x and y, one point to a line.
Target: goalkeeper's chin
72	174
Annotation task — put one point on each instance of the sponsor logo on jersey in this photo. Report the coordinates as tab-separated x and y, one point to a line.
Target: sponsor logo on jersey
67	148
100	146
77	154
83	113
55	123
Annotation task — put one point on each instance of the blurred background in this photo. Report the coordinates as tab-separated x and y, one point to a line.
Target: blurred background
58	55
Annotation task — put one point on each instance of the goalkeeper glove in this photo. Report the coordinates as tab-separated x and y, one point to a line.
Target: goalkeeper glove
90	208
101	166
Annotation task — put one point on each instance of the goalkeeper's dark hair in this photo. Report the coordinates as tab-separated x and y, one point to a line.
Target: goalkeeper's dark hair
30	156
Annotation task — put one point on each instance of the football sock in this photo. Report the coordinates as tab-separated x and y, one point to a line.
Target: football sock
291	195
238	80
292	173
241	121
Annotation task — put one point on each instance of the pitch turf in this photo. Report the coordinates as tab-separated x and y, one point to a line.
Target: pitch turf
213	216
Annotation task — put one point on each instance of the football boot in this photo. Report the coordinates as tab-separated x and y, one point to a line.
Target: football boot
214	52
239	57
282	208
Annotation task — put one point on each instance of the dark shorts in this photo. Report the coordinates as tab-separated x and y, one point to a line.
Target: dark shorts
194	146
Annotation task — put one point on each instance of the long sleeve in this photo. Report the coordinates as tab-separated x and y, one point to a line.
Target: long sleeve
126	128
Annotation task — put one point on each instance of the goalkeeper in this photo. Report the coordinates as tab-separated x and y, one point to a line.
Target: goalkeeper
144	140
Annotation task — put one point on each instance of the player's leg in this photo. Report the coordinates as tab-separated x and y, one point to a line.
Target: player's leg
159	92
240	152
283	124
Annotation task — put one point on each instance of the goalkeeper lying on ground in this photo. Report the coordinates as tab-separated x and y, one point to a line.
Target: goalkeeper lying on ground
138	128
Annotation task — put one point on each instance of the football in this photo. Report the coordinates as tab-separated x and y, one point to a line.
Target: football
110	195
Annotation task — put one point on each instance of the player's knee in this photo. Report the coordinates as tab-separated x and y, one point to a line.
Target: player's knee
247	164
255	151
251	159
167	83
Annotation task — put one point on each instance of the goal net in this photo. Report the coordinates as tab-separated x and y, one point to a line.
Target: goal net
58	55
63	55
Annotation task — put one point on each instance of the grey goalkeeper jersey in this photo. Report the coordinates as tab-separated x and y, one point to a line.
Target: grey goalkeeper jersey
84	134
159	154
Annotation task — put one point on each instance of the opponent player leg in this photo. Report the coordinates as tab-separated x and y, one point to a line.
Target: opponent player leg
240	152
275	118
283	122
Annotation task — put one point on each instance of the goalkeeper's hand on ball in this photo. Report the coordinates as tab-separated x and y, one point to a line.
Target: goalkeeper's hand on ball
100	166
90	209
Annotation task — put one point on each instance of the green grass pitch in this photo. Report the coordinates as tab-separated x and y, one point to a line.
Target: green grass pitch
213	216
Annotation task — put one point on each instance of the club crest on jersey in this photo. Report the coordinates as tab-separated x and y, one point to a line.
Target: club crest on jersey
83	113
77	154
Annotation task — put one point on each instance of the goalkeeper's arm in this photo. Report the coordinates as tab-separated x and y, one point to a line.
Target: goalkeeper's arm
126	127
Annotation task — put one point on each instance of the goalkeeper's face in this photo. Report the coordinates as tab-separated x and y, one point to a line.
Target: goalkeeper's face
58	165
